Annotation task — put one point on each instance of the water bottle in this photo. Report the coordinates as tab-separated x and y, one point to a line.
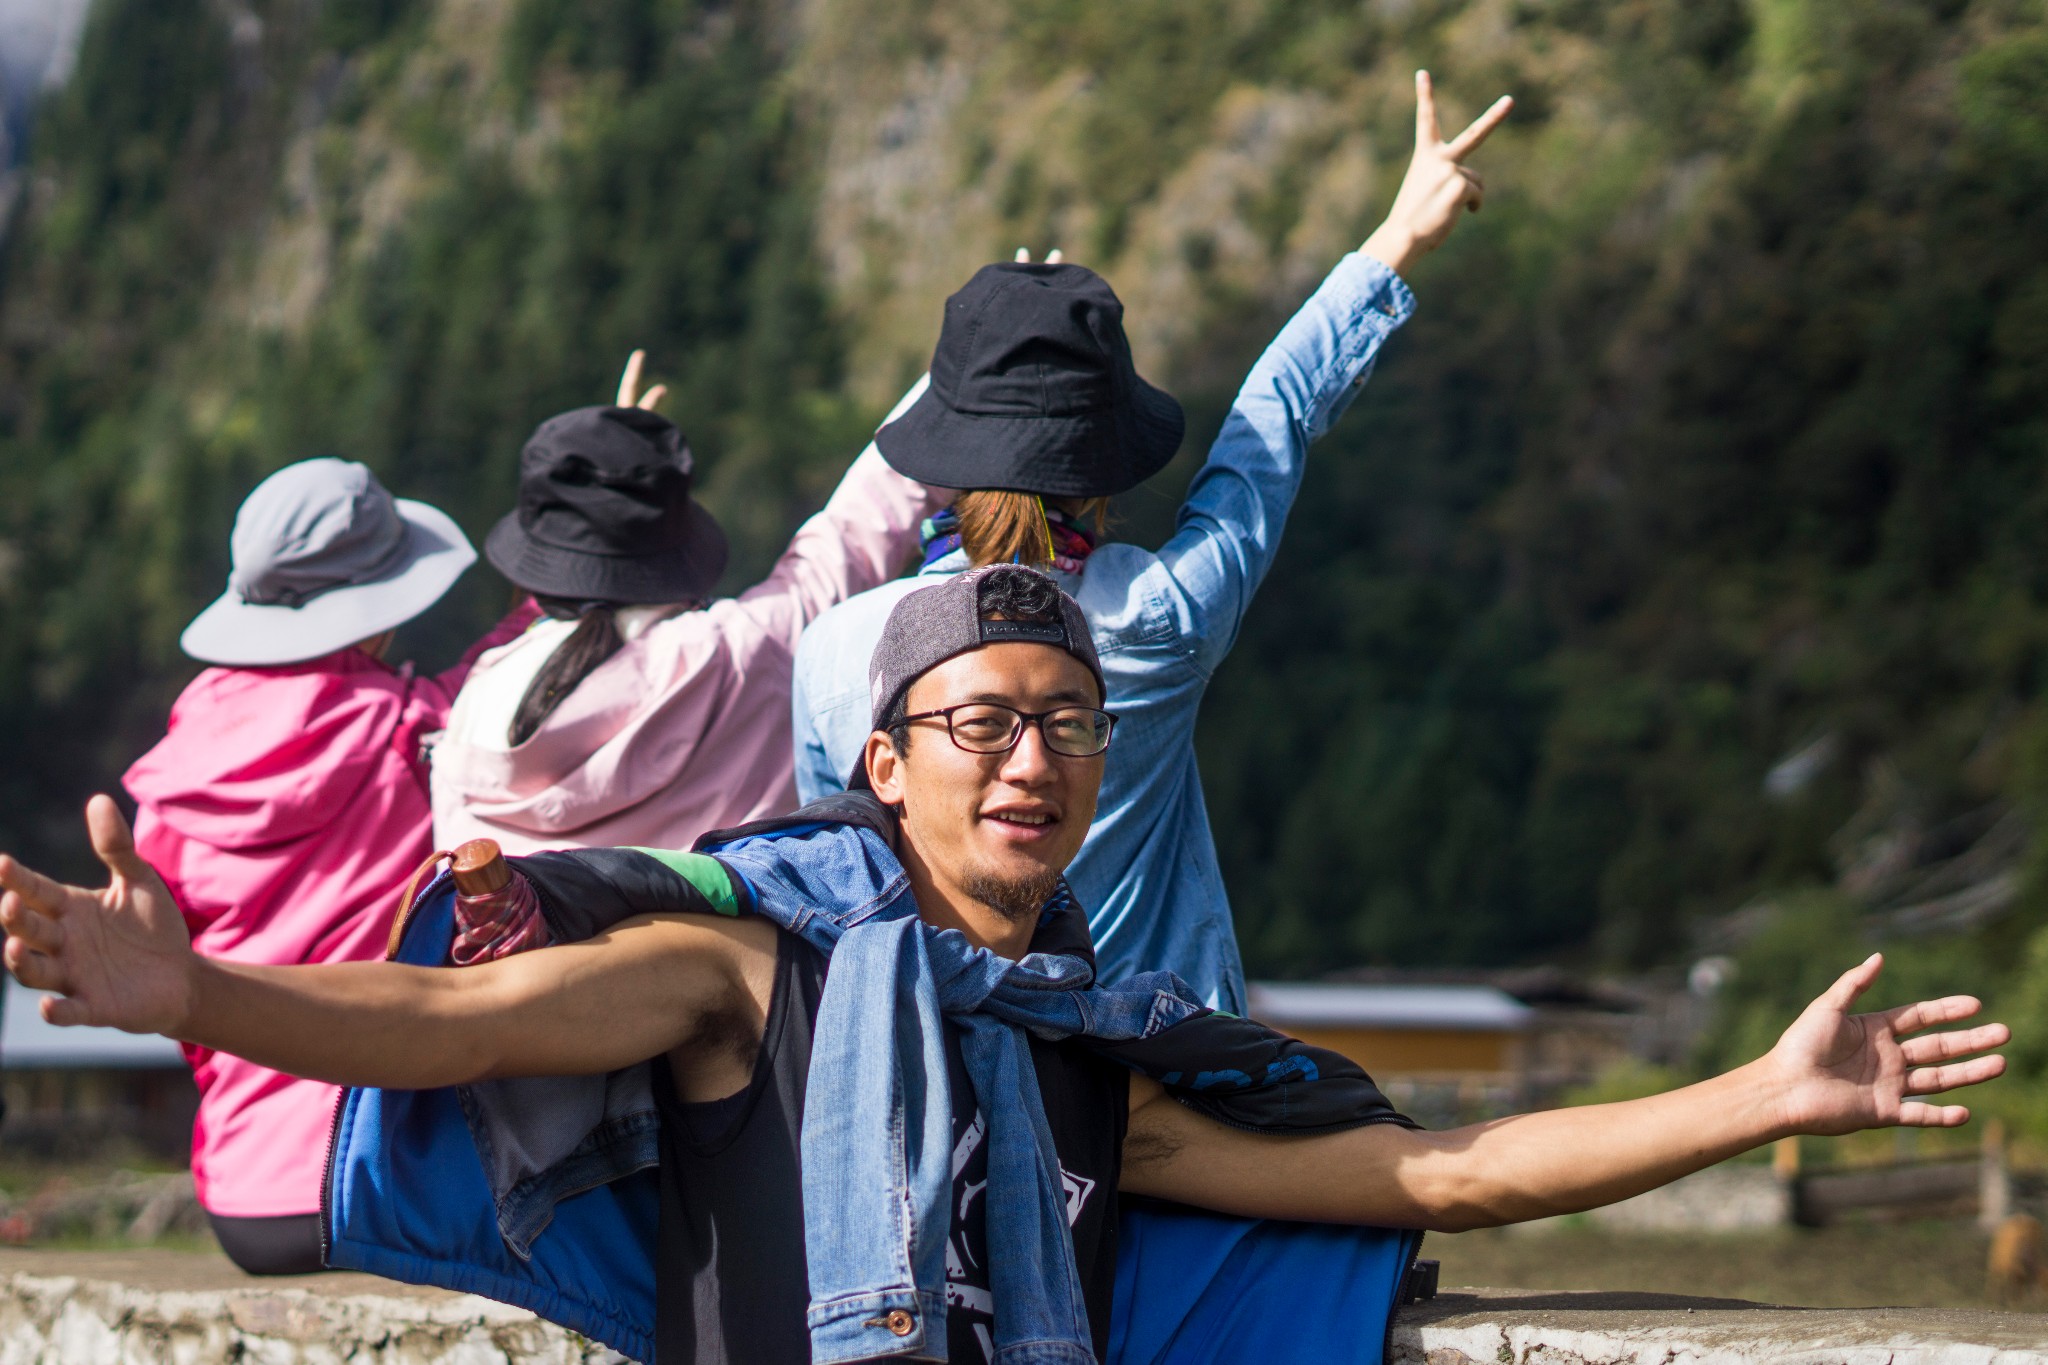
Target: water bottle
496	911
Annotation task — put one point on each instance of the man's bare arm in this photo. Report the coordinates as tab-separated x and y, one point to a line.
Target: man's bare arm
570	1010
1832	1072
121	957
1506	1171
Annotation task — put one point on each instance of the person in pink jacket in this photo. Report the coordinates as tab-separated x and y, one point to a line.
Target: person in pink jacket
640	711
288	802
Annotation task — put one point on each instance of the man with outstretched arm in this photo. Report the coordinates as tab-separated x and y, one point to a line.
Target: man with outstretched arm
835	1154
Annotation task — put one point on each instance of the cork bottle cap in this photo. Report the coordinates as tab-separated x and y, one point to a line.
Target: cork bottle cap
480	868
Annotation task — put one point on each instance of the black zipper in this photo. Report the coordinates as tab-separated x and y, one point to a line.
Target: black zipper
1401	1299
327	1175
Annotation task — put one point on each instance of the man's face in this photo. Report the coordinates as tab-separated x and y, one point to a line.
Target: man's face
999	828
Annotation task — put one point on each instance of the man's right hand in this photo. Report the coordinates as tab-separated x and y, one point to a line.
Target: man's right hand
121	957
118	957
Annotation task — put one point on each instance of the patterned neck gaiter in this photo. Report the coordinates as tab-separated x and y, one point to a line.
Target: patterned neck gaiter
1072	541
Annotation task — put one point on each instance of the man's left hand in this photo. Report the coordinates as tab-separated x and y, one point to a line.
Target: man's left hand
1840	1072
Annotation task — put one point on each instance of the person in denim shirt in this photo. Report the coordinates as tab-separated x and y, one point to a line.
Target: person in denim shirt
1033	406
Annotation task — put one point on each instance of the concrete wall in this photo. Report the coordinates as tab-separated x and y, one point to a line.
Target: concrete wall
109	1319
1505	1327
61	1308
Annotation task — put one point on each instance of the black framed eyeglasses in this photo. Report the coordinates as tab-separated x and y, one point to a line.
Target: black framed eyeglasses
986	727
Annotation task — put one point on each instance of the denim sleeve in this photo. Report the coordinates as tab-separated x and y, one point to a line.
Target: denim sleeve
1229	528
814	775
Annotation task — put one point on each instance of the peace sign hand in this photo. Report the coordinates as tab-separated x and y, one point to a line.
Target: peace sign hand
629	386
1438	184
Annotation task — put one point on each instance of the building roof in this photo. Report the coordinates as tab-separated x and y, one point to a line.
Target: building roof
27	1043
1286	1004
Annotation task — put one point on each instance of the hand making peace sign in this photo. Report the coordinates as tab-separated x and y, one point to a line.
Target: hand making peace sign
1438	183
629	386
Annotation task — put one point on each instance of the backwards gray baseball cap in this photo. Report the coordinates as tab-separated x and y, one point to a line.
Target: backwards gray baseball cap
324	557
952	618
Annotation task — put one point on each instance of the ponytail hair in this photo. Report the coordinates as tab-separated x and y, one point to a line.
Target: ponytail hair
595	639
998	527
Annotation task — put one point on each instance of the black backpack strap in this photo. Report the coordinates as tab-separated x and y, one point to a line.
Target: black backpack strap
583	892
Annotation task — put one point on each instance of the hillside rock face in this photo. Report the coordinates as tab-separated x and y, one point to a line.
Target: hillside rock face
1717	432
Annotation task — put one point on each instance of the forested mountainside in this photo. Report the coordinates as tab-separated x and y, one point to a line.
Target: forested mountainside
1688	552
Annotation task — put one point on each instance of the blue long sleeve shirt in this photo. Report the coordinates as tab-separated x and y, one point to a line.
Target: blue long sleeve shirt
1162	623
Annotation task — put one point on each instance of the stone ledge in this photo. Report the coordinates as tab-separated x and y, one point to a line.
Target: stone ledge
125	1308
71	1308
1511	1327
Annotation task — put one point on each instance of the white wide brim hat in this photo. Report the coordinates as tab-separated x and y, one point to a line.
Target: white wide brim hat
242	634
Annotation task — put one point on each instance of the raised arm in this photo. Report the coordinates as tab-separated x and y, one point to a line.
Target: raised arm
120	957
1229	528
1832	1072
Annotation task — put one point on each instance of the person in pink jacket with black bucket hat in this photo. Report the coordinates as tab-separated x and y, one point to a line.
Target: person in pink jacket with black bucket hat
288	801
642	709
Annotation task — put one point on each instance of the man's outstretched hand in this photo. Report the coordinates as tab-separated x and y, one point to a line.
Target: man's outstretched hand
1839	1072
1438	186
119	956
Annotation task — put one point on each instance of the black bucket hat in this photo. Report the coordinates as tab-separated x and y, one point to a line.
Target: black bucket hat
605	513
1033	391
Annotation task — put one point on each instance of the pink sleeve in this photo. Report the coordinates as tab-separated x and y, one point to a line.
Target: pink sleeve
862	538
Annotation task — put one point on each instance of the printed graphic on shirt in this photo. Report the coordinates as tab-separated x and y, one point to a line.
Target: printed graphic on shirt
969	1304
